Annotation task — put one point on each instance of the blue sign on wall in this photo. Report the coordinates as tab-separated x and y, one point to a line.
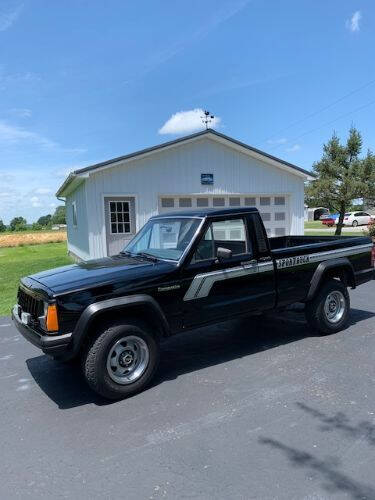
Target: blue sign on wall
207	178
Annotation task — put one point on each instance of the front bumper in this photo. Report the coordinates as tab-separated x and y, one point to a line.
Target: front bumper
55	345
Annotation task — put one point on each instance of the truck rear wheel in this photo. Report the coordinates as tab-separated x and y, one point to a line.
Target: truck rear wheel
120	360
328	311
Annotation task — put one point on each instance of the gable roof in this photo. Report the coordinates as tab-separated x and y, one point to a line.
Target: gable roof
76	177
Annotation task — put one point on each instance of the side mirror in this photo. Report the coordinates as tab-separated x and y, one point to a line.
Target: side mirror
223	253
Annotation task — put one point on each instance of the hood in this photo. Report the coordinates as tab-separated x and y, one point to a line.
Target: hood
99	272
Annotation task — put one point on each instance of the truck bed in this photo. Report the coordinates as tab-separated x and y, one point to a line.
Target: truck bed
280	243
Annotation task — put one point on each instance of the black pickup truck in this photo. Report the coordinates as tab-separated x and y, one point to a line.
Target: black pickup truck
181	271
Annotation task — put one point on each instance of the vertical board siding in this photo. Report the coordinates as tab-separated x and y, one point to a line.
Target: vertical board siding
78	241
177	171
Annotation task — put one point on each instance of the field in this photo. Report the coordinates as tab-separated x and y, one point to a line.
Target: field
22	261
17	239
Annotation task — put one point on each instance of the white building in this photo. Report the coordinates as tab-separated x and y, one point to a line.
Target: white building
109	202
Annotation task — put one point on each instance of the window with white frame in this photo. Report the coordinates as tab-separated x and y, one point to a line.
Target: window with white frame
119	213
74	214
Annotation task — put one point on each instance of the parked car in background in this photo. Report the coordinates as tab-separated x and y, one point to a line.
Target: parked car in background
329	220
357	219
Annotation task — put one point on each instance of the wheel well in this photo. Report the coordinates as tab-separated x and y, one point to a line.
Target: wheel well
344	274
141	313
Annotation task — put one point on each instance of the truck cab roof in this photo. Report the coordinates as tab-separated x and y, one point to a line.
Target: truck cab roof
207	212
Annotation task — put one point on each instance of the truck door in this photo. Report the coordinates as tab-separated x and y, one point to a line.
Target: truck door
216	287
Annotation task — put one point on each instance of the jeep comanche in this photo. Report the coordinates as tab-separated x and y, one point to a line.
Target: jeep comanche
181	271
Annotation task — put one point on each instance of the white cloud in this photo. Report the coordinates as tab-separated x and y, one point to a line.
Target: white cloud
184	122
294	148
8	17
21	112
11	134
282	140
43	191
35	202
353	23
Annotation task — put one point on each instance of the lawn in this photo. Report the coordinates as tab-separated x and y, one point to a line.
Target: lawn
314	224
22	261
325	232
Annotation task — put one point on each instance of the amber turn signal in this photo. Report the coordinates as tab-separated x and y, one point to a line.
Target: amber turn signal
52	323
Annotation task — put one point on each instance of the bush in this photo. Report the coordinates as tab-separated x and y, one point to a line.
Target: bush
371	230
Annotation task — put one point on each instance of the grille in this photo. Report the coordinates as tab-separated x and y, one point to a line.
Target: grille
30	304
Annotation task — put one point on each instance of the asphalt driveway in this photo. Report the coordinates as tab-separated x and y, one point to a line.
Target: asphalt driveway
251	409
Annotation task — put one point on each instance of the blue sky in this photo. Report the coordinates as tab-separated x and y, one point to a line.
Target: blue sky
85	81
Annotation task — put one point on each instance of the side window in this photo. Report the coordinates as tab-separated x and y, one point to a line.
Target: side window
74	214
230	234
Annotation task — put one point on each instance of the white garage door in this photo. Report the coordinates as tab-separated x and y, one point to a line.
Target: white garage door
274	209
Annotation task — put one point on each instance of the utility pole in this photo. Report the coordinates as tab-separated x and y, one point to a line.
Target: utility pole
207	118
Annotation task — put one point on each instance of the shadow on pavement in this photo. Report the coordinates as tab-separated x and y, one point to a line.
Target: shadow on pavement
329	469
183	353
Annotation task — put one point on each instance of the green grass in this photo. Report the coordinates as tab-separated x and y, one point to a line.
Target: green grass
315	224
22	261
325	232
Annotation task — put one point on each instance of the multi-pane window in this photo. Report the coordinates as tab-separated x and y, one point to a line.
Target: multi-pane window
279	215
250	201
265	201
234	201
184	202
280	231
279	200
202	202
266	216
218	202
119	213
167	202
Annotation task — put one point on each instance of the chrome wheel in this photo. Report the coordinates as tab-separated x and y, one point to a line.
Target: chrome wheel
334	306
127	360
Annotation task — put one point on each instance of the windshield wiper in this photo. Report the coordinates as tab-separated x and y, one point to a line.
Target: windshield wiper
147	256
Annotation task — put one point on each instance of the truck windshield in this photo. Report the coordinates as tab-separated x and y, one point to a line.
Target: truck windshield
164	238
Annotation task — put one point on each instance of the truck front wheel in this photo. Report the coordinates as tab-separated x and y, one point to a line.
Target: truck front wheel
328	311
120	359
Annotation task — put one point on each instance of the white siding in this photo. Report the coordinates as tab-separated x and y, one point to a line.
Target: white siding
177	171
78	241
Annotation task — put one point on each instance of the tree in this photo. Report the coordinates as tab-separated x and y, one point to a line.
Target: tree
18	224
59	215
44	220
2	226
342	176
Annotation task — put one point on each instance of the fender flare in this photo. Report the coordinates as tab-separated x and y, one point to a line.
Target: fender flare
342	263
120	303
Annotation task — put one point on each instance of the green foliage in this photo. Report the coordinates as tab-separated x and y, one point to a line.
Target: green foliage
59	217
36	226
342	176
371	230
18	224
44	220
2	226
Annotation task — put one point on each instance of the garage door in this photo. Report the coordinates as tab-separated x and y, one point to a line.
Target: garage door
274	209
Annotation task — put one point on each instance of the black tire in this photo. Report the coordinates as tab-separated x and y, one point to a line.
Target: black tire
318	317
354	223
95	358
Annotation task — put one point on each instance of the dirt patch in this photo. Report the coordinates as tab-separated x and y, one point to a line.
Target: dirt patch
32	238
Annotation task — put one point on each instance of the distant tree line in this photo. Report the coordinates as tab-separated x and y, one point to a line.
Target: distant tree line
44	222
